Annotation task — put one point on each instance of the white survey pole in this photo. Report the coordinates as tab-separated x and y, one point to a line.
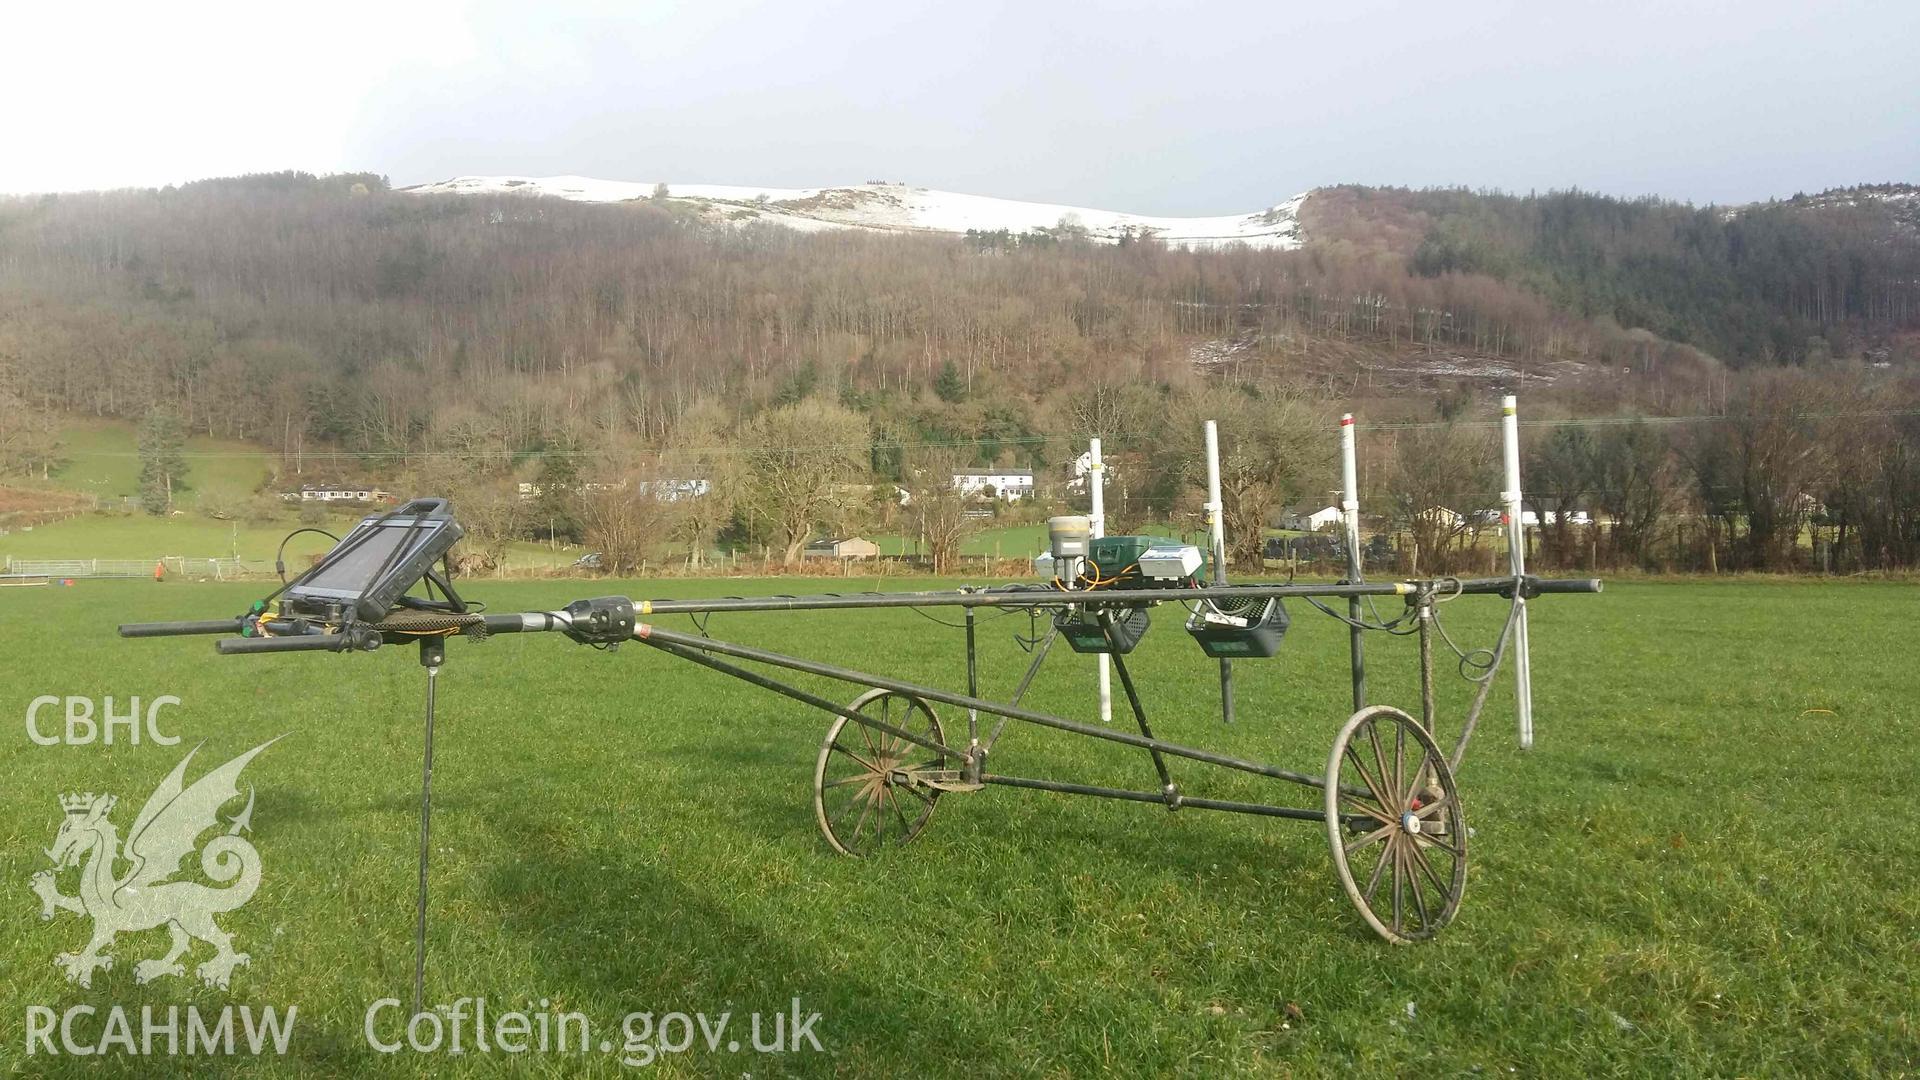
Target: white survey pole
1097	487
1350	523
1215	525
1216	522
1517	564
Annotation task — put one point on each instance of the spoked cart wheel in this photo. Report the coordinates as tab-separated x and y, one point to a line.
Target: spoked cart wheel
1393	817
868	790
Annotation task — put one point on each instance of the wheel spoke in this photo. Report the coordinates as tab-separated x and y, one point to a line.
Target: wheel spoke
1379	759
1379	796
1373	882
906	827
1413	882
1399	880
1376	835
1420	859
1435	842
870	766
1399	758
847	810
1368	810
1419	774
866	807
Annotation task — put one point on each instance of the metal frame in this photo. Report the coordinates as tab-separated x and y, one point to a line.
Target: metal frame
1407	815
1420	595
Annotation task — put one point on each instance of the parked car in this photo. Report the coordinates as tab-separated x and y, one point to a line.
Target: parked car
590	561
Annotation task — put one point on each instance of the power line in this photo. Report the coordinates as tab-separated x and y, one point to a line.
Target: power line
1024	440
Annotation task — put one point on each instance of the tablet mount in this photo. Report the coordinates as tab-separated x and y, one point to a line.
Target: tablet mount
356	598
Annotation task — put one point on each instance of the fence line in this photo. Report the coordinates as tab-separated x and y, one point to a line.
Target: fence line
220	569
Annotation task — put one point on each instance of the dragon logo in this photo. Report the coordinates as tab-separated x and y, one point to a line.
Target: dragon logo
142	898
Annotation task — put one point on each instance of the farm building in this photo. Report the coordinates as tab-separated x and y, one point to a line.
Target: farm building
853	547
1309	519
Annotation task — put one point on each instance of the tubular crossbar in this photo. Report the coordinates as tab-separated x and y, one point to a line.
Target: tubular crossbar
1178	802
797	694
1035	597
654	635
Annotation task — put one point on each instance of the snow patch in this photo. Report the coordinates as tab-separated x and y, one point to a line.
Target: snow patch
883	207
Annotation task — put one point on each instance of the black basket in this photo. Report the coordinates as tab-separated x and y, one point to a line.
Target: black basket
1082	630
1255	642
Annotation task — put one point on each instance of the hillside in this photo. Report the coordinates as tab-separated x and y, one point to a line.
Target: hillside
330	313
895	208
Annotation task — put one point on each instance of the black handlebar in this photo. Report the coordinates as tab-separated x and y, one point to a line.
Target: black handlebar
172	629
1540	586
302	643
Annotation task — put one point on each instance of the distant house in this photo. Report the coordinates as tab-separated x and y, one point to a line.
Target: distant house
1011	486
853	547
332	493
1310	520
1441	516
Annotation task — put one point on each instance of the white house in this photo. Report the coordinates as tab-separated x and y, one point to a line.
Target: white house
336	493
1011	486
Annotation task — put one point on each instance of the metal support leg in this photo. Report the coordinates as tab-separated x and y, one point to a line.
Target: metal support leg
433	653
1423	611
1357	648
1026	680
1139	712
973	683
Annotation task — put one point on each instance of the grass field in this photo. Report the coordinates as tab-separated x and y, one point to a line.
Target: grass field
1705	867
144	536
103	459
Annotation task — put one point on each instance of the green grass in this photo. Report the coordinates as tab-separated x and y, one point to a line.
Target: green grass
144	536
1705	867
103	459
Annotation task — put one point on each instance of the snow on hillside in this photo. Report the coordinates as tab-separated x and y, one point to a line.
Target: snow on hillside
897	208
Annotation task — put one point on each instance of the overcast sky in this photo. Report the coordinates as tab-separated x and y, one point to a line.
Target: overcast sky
1165	108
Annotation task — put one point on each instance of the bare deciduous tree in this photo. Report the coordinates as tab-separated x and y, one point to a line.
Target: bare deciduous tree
1433	474
936	506
1271	454
798	461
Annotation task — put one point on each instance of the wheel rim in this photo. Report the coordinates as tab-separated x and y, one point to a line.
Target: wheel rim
1395	823
860	797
